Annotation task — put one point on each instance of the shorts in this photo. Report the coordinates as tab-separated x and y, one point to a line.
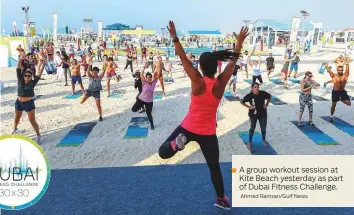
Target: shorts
135	58
339	96
270	68
143	55
111	75
294	67
25	106
234	79
95	95
76	79
285	71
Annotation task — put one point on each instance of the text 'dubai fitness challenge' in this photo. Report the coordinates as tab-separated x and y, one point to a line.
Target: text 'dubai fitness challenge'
292	181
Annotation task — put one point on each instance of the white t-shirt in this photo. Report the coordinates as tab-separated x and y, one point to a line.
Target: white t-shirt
57	60
256	69
245	59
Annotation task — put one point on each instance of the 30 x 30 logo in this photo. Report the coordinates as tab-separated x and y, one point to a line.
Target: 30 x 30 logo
24	172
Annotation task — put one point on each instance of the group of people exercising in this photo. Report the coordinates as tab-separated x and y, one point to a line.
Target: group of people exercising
207	91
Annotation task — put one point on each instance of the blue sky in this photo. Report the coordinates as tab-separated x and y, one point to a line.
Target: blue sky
224	15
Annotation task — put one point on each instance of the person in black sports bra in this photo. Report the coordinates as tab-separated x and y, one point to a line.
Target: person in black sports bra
129	62
25	94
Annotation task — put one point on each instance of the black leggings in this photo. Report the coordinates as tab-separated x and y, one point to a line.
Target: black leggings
262	123
148	107
210	149
129	63
259	77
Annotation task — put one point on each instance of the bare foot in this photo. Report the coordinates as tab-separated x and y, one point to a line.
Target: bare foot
249	146
265	144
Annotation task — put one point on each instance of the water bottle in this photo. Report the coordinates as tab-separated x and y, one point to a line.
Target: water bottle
254	105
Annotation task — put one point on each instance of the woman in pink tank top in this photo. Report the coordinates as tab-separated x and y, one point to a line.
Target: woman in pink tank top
200	122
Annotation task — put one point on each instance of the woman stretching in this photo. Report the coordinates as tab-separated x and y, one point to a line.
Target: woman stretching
25	94
146	98
94	88
305	97
129	62
110	67
158	67
200	123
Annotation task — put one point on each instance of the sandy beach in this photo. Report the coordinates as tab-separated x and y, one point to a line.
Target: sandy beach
106	146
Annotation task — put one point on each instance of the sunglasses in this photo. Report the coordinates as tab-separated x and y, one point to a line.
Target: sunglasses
28	76
340	70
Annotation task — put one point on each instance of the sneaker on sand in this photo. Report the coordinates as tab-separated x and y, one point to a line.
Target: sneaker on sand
223	203
15	131
38	139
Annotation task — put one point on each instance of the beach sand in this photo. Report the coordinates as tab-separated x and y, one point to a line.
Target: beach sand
106	146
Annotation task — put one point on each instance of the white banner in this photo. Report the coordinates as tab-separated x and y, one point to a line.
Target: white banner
99	27
295	26
55	26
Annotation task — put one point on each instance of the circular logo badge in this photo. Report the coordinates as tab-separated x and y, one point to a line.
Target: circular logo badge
24	172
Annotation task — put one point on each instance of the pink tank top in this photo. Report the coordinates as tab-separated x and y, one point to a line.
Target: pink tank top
201	117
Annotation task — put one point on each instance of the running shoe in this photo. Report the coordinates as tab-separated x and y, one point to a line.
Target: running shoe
179	142
38	139
311	123
15	131
100	119
331	120
152	127
223	203
299	125
325	84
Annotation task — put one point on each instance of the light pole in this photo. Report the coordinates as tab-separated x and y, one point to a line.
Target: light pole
26	24
163	32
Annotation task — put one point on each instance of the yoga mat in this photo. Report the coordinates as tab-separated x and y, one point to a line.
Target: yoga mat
157	95
276	101
248	81
315	134
276	81
75	96
231	97
341	125
294	80
257	144
138	128
351	98
168	79
114	95
77	135
316	97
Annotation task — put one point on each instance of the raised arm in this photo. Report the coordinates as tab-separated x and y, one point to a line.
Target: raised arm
142	77
329	70
226	75
315	83
40	68
193	74
346	73
254	49
89	70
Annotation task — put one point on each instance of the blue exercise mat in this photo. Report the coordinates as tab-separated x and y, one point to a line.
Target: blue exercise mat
315	134
50	67
294	80
276	101
138	128
75	96
231	97
248	81
114	95
157	95
77	135
257	144
341	125
276	81
168	79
